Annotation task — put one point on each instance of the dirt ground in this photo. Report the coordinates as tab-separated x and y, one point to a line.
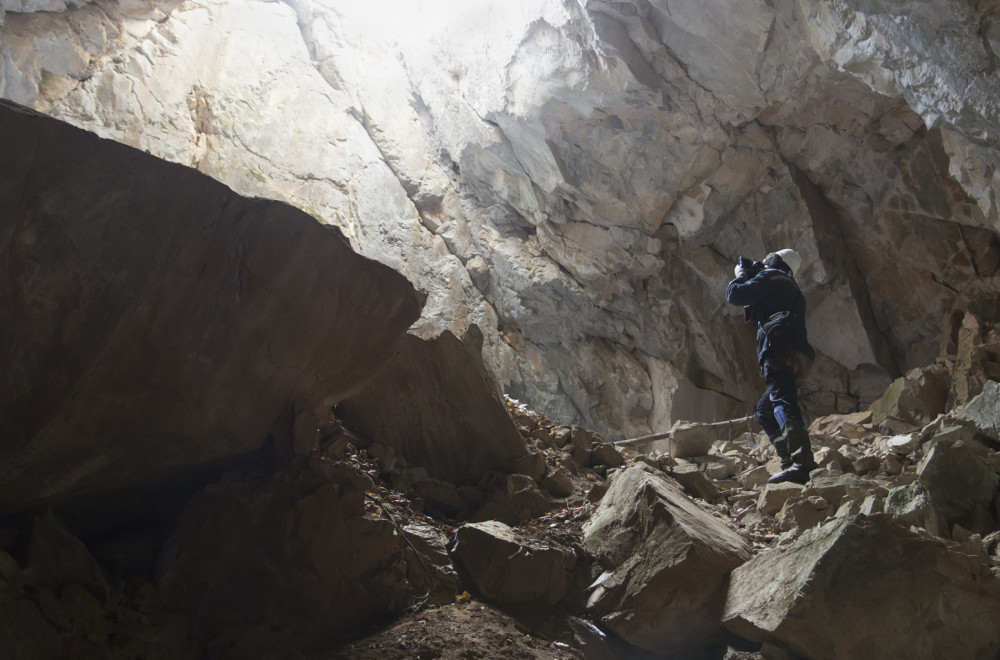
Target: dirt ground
473	630
459	631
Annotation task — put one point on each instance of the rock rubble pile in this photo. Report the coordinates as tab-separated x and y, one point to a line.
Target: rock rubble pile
671	546
219	442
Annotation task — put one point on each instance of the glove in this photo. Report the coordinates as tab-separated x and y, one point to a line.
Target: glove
739	272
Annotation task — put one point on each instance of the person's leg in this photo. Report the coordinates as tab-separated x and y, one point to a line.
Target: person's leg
784	396
783	393
765	415
799	446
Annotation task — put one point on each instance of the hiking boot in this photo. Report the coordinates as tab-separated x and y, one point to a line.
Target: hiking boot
798	444
795	441
780	443
797	474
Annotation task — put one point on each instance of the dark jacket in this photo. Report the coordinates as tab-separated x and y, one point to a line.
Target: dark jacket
768	292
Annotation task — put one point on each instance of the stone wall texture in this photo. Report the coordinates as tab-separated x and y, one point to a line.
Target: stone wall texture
577	178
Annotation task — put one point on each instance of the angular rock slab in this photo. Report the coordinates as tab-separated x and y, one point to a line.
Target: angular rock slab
958	476
507	568
984	411
690	439
152	318
516	498
436	404
666	560
57	559
918	397
864	587
299	551
913	505
834	486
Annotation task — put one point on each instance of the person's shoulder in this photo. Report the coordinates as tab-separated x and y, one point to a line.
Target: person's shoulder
773	273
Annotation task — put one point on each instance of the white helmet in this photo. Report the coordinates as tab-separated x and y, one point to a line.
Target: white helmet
789	256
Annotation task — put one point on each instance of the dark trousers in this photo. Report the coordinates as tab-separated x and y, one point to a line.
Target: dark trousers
780	401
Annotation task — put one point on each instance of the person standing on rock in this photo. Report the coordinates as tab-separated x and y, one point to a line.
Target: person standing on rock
771	298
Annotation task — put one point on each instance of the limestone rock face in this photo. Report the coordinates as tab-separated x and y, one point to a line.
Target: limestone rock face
950	79
578	179
666	562
153	319
899	595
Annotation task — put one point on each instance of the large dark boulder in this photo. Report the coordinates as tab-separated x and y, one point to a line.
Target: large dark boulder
666	563
152	318
308	550
437	406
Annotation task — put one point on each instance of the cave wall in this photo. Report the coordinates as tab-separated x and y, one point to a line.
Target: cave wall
577	179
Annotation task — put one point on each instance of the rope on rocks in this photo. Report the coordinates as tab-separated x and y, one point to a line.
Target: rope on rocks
421	600
667	434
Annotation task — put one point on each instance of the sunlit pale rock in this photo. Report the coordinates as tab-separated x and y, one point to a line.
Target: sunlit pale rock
866	587
666	560
578	180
